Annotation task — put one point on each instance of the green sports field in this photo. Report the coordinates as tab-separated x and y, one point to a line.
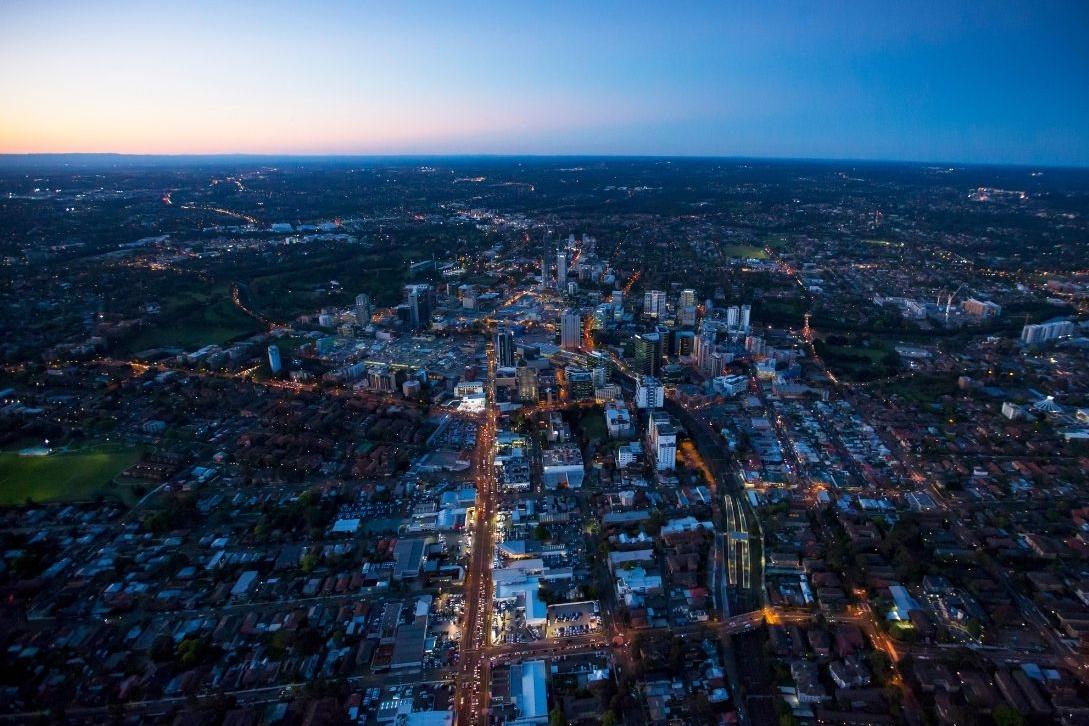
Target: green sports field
62	476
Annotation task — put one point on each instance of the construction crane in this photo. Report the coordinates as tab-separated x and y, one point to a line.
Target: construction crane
949	302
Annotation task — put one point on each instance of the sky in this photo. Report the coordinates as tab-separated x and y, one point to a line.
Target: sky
988	81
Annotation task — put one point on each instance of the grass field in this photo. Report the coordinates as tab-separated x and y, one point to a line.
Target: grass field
744	251
62	476
592	423
195	319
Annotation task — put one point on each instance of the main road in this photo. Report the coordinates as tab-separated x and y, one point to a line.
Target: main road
472	680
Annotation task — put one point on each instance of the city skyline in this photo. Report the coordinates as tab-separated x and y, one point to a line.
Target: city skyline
940	83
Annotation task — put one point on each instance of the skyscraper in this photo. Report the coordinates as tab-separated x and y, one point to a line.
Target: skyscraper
647	353
570	329
362	308
746	310
274	359
526	380
504	348
732	317
561	268
654	304
688	298
418	299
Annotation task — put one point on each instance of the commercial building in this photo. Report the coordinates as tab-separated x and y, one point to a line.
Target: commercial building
529	693
363	308
570	330
649	393
504	348
647	352
729	385
525	379
654	304
418	300
580	384
561	466
274	363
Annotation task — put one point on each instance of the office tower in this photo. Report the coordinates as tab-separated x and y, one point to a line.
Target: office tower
580	384
362	308
649	393
526	381
745	311
732	316
570	329
647	353
688	298
654	304
274	359
544	272
686	316
705	348
603	315
685	342
561	268
601	376
418	299
617	299
504	348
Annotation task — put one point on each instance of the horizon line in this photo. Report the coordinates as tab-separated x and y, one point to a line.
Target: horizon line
1073	166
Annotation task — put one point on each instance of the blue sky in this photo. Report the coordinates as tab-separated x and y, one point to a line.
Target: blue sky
936	81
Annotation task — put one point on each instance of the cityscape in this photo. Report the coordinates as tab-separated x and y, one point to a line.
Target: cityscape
555	420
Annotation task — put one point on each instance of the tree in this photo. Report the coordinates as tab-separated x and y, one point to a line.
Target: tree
608	719
556	717
1005	715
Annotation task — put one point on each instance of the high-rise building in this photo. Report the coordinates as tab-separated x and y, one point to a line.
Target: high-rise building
570	329
662	441
981	308
1044	332
544	272
654	304
647	353
504	348
362	308
732	317
705	347
686	343
687	298
561	268
580	384
649	393
526	381
746	310
274	363
602	317
418	299
755	345
686	316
